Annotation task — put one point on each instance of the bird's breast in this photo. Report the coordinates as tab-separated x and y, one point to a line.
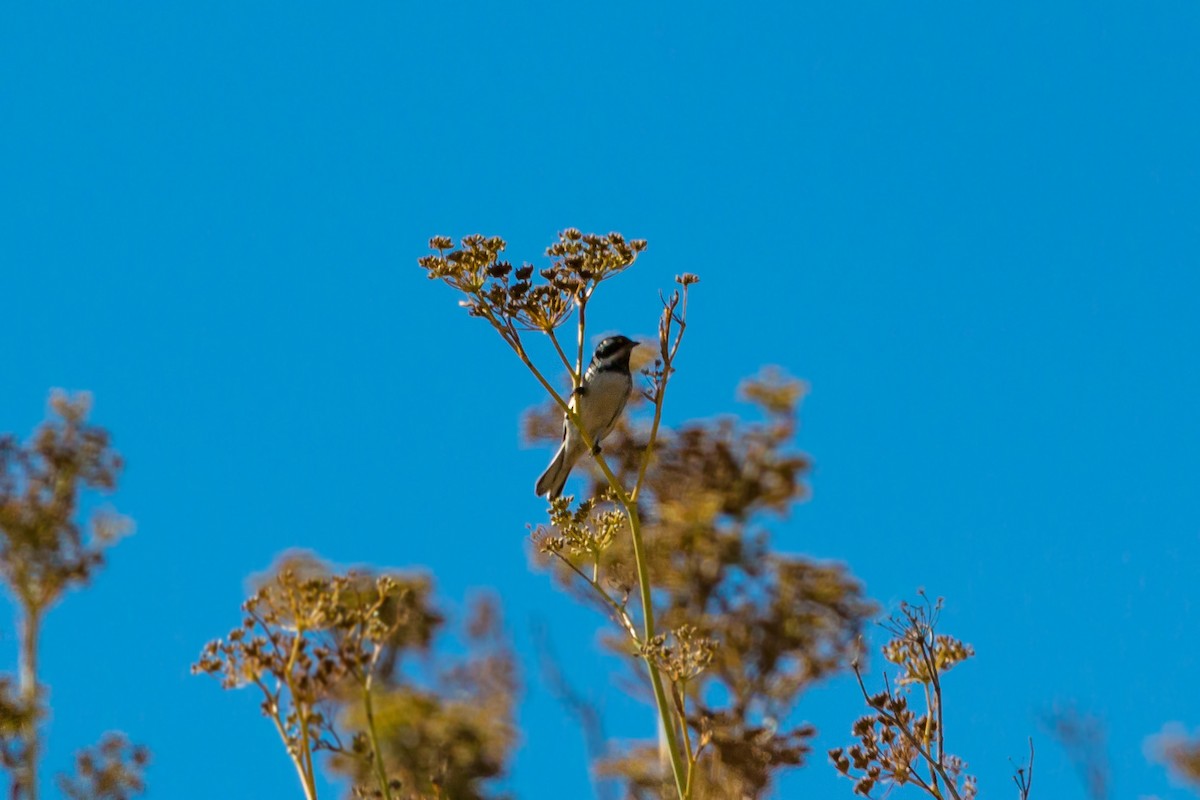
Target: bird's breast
606	395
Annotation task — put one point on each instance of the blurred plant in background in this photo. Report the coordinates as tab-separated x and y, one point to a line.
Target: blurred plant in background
334	656
45	551
1180	753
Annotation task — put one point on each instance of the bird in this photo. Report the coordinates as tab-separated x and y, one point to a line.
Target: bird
599	401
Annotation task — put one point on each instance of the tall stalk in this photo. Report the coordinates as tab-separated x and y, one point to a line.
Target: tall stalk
26	781
582	262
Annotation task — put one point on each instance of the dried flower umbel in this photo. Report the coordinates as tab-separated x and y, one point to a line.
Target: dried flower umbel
899	745
307	640
523	299
325	651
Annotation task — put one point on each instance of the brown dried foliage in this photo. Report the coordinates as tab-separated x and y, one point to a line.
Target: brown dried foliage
898	745
43	548
112	770
328	654
515	297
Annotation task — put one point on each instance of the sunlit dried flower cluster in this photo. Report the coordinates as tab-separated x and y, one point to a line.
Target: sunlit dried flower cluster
511	297
897	745
324	649
916	647
311	639
583	533
682	655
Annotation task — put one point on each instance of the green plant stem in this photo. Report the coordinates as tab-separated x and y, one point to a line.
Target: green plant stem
369	708
309	791
581	303
303	759
27	678
660	697
635	528
933	700
680	700
679	693
575	375
668	354
643	573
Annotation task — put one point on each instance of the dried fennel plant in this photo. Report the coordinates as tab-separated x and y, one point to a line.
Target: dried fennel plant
45	551
514	302
895	745
325	650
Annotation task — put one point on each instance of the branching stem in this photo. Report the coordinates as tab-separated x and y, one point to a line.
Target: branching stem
272	706
621	616
303	758
626	499
912	739
628	503
571	368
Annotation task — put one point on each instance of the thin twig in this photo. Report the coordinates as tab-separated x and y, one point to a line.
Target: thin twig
310	792
581	303
622	617
571	370
660	389
369	709
1024	777
591	721
30	628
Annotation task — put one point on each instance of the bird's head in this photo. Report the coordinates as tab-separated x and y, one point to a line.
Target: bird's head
614	350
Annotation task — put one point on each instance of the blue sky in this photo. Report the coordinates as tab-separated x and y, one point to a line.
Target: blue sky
973	230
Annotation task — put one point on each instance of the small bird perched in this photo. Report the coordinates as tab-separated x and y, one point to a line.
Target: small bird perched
598	401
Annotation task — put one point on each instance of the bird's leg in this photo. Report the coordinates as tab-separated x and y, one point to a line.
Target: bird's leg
595	450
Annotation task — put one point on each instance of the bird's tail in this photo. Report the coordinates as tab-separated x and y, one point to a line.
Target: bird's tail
555	477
